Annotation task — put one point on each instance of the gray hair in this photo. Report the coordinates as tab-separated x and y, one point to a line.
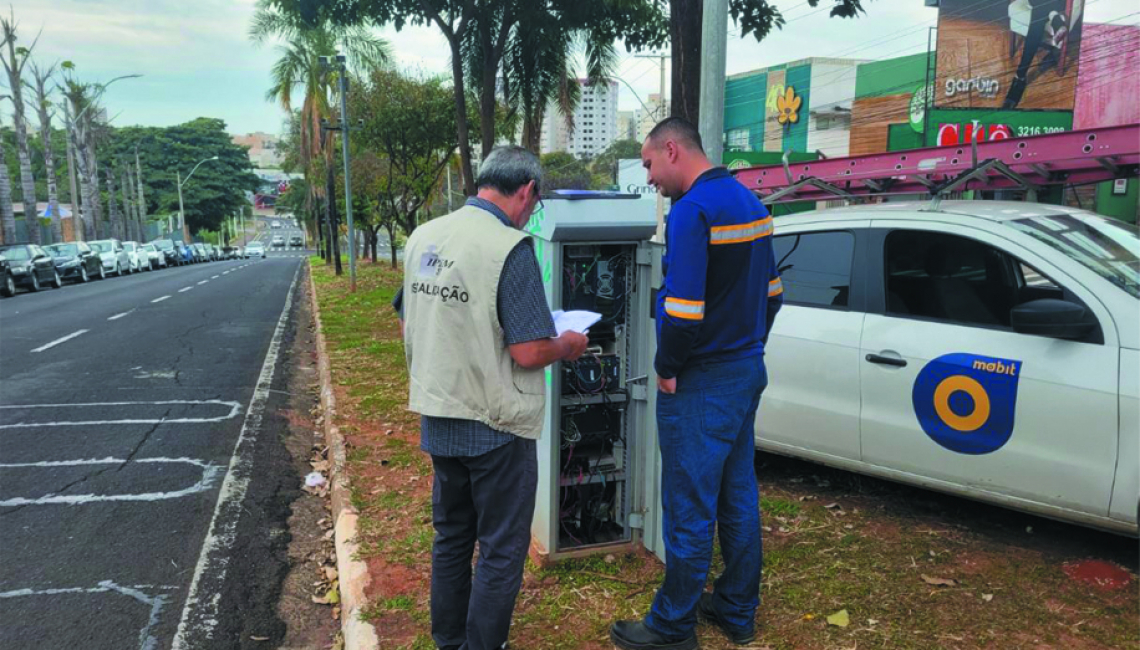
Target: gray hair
508	168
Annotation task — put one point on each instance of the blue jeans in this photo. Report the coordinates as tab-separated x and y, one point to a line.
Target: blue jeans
708	483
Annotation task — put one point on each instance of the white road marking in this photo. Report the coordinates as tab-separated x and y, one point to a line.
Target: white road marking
160	299
215	277
60	340
203	282
184	289
147	641
118	316
200	613
209	474
235	409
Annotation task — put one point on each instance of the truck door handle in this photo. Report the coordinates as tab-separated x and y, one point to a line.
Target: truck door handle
886	361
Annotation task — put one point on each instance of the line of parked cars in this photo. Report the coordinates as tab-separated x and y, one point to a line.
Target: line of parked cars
33	267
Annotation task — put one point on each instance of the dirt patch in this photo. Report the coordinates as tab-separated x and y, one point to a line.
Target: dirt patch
308	625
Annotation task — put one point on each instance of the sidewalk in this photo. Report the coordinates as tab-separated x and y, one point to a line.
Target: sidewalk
909	569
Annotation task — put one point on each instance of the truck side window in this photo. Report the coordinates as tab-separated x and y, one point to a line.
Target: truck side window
815	267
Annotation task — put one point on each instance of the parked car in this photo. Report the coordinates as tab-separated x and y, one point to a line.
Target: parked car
274	224
200	253
115	259
185	253
255	249
278	241
296	241
137	257
155	257
31	266
76	261
170	253
983	348
7	283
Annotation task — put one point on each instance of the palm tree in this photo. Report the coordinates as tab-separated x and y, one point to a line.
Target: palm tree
539	67
299	65
42	106
13	62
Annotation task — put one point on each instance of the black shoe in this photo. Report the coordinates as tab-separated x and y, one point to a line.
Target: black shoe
633	635
738	635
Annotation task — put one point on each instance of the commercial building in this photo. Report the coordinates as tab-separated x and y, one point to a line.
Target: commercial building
655	110
594	123
803	106
263	149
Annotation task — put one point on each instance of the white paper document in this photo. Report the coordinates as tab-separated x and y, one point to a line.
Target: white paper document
574	321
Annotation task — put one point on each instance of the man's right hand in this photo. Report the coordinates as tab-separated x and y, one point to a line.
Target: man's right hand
573	344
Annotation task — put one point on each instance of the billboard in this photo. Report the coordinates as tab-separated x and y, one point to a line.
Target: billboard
1003	54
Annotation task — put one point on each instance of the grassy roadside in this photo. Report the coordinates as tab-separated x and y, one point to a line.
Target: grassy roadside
906	578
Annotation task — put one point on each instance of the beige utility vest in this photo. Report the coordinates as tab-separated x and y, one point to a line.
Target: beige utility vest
458	362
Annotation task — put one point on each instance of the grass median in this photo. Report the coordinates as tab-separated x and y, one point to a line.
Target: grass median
844	565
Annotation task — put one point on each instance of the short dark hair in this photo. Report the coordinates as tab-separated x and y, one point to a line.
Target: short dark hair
508	168
679	129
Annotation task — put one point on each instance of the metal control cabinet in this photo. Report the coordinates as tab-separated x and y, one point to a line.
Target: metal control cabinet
598	464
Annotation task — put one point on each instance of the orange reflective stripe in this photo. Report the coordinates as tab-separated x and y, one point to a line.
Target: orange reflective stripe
686	309
775	288
741	233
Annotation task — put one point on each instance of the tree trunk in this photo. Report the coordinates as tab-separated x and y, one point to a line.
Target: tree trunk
49	168
487	87
391	228
7	216
685	19
334	226
99	222
132	226
140	197
461	117
77	233
27	180
86	222
117	229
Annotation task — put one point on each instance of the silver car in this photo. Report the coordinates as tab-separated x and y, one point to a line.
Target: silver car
139	260
155	258
115	258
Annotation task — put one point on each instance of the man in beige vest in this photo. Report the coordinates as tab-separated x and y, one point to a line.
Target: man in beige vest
478	334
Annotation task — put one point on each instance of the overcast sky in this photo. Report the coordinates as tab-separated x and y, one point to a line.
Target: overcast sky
196	59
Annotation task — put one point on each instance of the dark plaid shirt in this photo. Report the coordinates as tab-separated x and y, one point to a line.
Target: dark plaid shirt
524	315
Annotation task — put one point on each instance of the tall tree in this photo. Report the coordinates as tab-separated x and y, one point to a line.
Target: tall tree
78	96
118	229
14	58
304	43
755	17
41	102
478	31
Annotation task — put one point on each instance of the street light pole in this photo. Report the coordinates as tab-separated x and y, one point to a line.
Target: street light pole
181	209
342	74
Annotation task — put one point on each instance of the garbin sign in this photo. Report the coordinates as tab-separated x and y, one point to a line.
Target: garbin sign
1019	54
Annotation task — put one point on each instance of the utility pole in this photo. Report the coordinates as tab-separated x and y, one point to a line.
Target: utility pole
714	37
139	180
661	113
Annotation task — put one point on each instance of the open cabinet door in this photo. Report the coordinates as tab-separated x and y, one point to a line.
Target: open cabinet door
649	266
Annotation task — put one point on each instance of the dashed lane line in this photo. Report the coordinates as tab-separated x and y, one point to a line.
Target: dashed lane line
56	342
160	299
184	289
118	316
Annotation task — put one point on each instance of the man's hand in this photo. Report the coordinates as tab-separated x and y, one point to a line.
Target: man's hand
574	345
667	385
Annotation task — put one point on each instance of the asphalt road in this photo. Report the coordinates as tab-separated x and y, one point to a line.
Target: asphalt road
141	483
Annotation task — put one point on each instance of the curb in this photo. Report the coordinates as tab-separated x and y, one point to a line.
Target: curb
352	573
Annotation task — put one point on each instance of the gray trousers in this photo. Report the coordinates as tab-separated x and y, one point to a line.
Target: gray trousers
489	499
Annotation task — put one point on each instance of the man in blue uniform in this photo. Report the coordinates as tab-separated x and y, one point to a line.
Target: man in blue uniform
720	297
